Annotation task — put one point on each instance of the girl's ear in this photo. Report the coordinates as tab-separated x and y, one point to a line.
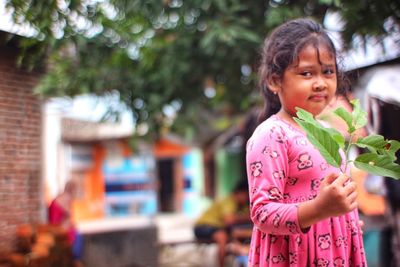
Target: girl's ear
274	83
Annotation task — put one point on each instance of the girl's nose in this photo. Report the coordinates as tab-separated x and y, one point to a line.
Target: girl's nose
319	83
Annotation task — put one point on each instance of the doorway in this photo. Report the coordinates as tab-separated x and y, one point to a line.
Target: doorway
165	173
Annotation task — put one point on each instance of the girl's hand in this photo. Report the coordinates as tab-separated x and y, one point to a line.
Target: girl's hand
337	196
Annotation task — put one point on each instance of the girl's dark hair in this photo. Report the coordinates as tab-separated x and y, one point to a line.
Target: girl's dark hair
282	48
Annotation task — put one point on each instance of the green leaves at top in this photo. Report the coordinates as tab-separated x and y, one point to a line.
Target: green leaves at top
359	115
355	120
319	137
346	116
380	158
308	117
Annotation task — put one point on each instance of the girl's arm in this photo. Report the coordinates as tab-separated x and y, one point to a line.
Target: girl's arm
337	196
267	170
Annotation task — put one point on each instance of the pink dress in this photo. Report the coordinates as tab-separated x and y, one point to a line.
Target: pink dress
284	169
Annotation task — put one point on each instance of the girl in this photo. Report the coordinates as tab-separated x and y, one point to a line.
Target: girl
304	211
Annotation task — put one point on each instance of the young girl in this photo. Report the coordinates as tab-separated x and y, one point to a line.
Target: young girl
303	209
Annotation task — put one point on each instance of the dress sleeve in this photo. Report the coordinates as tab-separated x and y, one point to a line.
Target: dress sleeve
267	170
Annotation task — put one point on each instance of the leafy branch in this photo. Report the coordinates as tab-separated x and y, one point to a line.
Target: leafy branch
380	158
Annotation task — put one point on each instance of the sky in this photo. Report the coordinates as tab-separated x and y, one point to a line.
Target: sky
358	57
7	25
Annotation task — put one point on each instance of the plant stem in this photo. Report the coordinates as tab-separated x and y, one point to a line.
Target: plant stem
347	152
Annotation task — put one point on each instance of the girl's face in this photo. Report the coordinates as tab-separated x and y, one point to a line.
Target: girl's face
309	83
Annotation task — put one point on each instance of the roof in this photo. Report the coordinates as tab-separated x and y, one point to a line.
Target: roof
384	84
74	130
168	148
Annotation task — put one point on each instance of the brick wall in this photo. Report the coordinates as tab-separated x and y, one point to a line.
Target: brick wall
20	148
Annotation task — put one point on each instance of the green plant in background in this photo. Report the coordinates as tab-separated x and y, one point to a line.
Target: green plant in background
380	158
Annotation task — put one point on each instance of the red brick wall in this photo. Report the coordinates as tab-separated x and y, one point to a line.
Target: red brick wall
20	148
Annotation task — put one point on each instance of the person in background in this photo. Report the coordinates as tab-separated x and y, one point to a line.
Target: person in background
59	213
215	224
304	210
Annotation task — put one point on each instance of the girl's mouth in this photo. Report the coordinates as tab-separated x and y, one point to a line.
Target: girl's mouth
318	97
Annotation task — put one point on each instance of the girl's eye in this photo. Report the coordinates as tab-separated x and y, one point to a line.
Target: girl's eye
306	73
329	71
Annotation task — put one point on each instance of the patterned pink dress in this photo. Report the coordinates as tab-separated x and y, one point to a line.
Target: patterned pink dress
284	169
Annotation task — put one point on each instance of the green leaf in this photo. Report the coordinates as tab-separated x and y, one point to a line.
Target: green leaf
337	136
377	144
394	147
306	116
347	117
378	164
372	142
359	115
323	141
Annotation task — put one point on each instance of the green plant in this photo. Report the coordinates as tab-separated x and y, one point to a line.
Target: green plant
380	158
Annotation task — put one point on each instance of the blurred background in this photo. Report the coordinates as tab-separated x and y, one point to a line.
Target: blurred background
147	105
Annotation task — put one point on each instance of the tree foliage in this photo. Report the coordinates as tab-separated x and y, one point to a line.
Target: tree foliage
181	65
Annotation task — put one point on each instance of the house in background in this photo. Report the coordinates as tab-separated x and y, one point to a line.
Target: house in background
114	180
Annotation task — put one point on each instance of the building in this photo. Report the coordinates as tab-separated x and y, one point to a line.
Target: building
20	144
115	180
